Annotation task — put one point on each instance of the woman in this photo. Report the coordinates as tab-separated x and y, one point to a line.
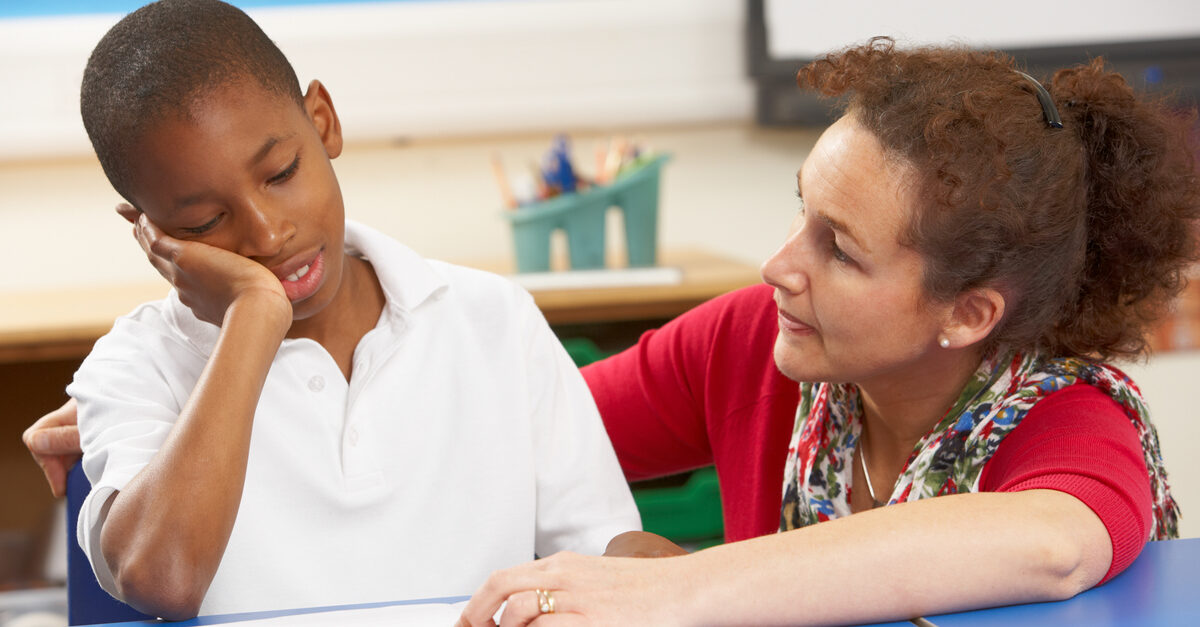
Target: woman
959	271
968	253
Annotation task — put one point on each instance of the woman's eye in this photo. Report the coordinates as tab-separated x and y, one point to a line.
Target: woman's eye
286	174
838	253
197	230
801	208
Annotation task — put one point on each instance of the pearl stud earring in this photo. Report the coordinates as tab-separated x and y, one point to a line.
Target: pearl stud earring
944	342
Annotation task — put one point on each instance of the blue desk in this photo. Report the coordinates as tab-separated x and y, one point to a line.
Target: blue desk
234	618
220	619
1161	588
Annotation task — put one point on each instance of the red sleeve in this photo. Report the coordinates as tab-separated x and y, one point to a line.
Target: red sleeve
648	398
666	401
1080	441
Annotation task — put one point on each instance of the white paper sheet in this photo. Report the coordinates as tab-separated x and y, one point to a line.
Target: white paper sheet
591	279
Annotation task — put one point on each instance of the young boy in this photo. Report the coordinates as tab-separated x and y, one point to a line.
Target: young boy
315	415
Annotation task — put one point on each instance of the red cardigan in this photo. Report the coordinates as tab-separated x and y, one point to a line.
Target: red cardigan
704	390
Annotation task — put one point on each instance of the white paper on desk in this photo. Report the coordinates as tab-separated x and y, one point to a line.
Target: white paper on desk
415	615
594	279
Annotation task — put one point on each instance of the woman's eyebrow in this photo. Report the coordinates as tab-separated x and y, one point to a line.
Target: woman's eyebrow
844	229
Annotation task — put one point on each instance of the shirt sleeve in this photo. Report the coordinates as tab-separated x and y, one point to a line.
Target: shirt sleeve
582	497
1081	442
127	406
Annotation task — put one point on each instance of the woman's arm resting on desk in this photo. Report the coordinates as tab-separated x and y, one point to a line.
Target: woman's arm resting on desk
54	443
912	559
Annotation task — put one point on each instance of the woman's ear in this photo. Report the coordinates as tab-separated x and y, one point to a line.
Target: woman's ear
976	312
319	107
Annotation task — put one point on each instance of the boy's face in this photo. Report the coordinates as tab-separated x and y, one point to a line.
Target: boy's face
249	171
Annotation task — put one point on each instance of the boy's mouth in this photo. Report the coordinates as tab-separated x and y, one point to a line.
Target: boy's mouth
297	275
305	280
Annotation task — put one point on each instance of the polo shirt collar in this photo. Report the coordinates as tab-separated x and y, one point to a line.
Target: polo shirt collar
407	279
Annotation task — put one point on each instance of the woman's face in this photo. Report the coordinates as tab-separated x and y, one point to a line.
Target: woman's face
851	303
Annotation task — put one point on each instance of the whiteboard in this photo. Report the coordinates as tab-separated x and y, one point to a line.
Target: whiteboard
801	29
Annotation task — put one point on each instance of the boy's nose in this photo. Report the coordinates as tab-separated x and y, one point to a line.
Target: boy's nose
265	232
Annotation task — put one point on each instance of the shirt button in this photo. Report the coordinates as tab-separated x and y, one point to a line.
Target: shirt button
316	383
353	437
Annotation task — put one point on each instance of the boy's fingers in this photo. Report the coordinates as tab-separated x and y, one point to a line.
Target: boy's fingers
156	241
128	212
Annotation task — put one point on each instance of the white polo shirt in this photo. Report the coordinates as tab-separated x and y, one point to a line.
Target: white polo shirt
465	441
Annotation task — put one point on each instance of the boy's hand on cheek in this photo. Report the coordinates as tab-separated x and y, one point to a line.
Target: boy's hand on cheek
209	279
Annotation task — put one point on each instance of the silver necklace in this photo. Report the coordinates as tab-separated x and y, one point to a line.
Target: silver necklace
862	458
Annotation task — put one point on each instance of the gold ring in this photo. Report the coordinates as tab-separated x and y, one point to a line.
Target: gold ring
545	600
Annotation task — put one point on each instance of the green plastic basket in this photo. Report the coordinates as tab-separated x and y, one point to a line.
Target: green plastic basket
581	215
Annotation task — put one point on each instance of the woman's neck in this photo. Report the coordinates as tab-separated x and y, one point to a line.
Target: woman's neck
900	409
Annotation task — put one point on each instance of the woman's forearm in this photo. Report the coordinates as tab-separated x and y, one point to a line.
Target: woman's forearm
166	531
922	558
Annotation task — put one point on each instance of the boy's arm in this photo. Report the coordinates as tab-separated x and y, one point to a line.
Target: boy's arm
165	532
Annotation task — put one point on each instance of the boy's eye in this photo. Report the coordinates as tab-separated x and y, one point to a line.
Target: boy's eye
286	173
197	230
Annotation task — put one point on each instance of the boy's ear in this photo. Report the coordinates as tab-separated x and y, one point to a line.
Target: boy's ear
975	313
319	107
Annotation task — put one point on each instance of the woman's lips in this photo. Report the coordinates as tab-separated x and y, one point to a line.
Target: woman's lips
791	324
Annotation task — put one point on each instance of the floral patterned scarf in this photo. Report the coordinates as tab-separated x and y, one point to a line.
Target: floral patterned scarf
951	457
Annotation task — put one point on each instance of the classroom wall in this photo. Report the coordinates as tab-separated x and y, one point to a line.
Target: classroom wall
444	68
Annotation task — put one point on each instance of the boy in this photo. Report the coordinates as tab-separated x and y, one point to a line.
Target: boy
315	415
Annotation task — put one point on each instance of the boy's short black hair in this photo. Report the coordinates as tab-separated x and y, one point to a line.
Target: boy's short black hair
159	60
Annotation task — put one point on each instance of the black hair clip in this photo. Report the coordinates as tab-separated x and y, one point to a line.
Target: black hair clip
1048	109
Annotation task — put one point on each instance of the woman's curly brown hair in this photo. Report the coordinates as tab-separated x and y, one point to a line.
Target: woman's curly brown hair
1087	230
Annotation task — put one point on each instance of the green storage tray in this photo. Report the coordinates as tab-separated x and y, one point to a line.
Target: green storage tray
685	514
582	351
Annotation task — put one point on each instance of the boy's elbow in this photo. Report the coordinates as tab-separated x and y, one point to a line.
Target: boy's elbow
164	588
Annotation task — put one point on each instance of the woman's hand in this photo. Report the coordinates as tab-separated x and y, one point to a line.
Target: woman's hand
54	442
585	591
642	544
208	279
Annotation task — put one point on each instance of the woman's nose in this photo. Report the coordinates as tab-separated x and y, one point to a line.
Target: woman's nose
785	268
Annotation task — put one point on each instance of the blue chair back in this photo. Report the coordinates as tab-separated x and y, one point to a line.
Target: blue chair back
87	602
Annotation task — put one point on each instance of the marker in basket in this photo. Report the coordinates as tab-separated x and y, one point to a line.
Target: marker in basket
557	170
506	193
